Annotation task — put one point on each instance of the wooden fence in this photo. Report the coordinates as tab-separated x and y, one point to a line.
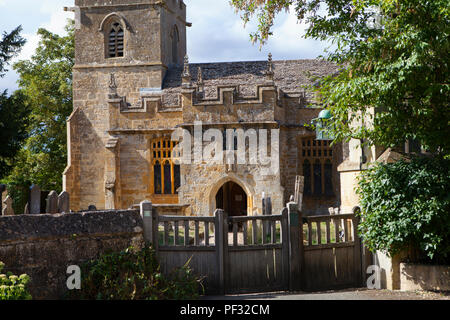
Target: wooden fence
259	253
332	252
234	254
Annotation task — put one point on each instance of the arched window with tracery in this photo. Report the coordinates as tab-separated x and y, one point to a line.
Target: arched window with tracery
166	173
317	166
116	40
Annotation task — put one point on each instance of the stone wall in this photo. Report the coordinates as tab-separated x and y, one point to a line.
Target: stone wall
43	246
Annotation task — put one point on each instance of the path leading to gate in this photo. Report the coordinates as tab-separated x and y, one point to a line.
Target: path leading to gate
349	294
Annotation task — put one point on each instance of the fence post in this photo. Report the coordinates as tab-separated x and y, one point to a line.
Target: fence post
150	219
285	242
295	247
358	252
221	242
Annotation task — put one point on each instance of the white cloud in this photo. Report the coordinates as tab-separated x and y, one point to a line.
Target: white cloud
217	34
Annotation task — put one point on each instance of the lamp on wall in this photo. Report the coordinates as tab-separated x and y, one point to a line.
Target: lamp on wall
322	126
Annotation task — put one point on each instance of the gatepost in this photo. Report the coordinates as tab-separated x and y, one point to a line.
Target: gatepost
150	219
295	247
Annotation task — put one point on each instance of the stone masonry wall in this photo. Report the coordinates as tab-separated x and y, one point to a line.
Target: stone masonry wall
43	246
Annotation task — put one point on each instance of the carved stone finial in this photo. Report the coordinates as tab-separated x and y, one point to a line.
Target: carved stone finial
199	76
186	72
186	76
112	87
200	83
112	82
269	72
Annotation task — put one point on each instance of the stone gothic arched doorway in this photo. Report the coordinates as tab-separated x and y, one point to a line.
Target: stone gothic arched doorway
232	199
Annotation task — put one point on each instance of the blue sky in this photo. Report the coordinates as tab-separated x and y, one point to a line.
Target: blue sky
217	34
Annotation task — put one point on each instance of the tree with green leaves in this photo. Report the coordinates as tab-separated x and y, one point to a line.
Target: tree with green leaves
393	56
46	84
10	45
13	111
13	128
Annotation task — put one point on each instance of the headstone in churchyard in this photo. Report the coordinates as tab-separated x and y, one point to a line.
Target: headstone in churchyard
63	202
8	209
52	202
35	200
267	211
299	188
44	195
2	197
26	210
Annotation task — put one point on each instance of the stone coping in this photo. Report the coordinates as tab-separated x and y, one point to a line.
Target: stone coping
51	226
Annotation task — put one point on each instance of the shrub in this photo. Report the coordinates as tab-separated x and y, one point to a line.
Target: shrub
135	275
13	287
405	206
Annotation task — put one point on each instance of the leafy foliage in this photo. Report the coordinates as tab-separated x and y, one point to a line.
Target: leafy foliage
10	45
13	128
406	207
135	275
13	287
393	57
46	89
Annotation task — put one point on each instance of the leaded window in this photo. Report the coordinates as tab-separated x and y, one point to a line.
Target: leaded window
166	173
317	159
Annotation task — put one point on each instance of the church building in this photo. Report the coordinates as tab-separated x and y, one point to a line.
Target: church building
133	87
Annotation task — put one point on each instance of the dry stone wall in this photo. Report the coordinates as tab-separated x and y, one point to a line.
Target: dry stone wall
43	246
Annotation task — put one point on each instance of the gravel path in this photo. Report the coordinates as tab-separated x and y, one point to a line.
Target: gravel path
349	294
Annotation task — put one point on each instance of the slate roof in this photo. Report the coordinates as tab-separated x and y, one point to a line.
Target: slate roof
289	76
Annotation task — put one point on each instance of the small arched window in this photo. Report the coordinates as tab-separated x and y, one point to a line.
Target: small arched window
116	41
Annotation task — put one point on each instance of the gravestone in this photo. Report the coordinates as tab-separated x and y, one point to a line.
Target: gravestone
299	188
26	210
8	209
63	202
52	202
44	195
2	189
35	200
267	211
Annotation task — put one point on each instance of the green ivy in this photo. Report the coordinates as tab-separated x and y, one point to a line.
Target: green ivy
135	275
405	207
13	287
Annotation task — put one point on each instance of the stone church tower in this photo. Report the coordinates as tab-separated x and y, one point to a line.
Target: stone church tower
133	87
137	41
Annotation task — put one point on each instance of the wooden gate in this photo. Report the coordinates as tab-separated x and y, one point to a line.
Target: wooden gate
332	252
233	254
259	253
257	257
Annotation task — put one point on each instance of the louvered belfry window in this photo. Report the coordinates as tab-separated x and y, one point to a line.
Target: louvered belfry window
116	44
